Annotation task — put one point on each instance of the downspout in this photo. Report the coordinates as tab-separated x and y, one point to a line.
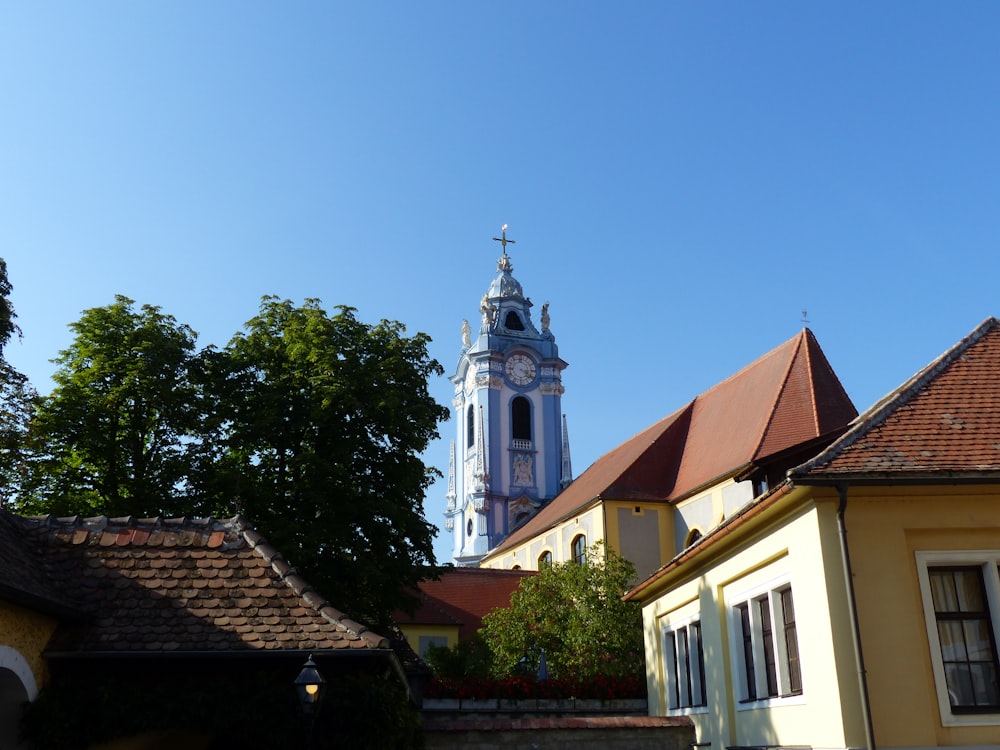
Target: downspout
859	658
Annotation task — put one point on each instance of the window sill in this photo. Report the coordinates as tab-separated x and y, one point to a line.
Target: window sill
789	700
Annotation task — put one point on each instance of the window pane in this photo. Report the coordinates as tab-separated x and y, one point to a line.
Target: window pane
579	549
684	668
943	591
965	634
978	645
984	684
670	665
748	668
952	640
698	697
969	589
791	643
770	671
959	685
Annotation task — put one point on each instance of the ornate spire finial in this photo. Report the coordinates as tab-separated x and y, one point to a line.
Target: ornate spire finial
504	263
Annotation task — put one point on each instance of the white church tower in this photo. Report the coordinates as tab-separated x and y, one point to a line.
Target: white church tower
511	453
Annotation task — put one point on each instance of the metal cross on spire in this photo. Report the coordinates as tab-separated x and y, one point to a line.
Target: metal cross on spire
502	239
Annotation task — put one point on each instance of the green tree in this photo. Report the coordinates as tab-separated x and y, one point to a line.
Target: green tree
17	399
575	614
326	418
114	435
7	325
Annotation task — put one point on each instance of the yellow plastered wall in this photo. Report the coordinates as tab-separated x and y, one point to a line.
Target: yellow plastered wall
27	632
600	522
648	539
558	540
886	529
414	633
797	544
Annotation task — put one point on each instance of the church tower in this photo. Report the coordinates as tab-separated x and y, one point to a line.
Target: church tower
511	455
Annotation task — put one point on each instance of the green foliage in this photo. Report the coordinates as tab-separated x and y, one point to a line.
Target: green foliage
249	711
575	614
310	425
17	404
114	435
7	325
326	418
470	658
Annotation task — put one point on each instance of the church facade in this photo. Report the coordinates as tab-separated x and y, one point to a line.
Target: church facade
510	457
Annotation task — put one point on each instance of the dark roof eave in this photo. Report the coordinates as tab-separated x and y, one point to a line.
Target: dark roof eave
889	478
224	654
42	604
380	654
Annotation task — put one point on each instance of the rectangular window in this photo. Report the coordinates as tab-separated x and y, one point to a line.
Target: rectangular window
791	642
965	634
770	659
684	663
961	598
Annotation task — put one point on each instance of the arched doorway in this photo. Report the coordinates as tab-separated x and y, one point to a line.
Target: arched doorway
17	687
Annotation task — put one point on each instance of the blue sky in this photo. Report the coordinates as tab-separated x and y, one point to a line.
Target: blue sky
682	179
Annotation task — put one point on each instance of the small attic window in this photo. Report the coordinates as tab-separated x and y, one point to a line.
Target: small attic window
760	485
693	536
513	322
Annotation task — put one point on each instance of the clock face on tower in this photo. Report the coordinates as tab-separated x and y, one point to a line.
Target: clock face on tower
520	369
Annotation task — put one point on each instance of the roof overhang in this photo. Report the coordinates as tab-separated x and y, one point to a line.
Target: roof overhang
715	543
899	479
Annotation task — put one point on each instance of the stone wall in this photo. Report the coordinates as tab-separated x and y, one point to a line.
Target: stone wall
552	725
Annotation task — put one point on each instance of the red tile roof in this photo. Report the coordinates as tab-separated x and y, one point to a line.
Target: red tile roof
787	397
944	421
461	596
182	585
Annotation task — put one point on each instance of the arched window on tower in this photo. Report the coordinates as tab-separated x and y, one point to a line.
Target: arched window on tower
692	538
471	427
513	322
520	422
579	549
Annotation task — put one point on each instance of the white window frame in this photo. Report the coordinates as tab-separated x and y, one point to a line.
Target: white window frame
771	592
989	561
675	691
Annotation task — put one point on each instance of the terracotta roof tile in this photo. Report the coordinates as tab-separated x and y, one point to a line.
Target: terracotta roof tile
785	398
461	596
945	420
170	585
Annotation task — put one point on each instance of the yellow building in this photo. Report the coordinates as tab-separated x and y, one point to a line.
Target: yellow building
661	490
856	603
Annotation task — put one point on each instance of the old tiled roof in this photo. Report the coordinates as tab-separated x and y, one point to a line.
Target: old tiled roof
461	596
785	398
944	421
182	586
22	579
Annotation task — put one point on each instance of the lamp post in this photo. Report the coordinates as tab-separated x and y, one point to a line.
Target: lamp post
310	685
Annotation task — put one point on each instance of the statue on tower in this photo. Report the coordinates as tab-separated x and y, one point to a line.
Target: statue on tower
466	335
489	311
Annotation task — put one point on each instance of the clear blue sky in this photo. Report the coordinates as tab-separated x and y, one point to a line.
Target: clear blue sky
682	179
